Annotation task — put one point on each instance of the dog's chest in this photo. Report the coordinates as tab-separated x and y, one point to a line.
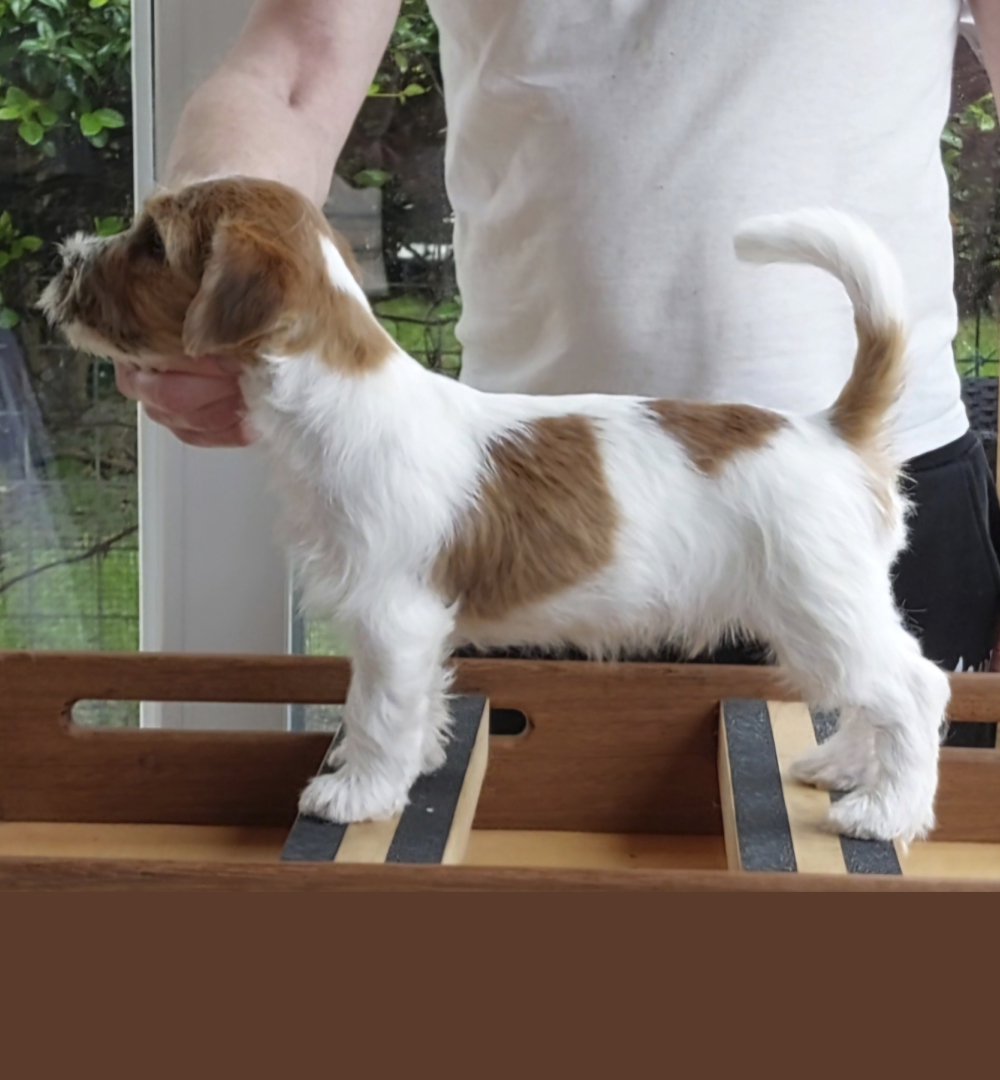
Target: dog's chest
364	487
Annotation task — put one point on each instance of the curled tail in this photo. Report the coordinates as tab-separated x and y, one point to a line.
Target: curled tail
848	249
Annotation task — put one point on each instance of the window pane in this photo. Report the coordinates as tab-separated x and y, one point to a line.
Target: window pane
68	506
971	149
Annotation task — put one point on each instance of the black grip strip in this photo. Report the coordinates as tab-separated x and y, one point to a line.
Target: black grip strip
763	833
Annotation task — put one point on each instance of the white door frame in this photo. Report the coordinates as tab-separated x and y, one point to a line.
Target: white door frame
212	578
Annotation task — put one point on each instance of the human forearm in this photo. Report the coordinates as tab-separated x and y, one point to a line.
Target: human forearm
987	16
283	101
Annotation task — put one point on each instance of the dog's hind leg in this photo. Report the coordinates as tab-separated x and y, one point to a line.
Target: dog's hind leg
395	717
847	649
846	760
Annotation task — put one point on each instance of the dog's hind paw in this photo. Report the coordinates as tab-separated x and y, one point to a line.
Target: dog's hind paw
834	766
351	795
871	816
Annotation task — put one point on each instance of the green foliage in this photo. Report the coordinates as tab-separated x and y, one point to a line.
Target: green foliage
407	70
371	178
968	151
34	116
63	63
109	226
978	116
63	60
13	245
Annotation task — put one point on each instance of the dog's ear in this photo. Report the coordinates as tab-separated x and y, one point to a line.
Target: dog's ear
243	291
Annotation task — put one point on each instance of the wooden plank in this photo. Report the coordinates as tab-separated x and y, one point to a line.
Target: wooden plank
968	799
88	840
105	875
594	851
975	696
935	859
613	747
51	770
624	748
728	800
552	850
230	843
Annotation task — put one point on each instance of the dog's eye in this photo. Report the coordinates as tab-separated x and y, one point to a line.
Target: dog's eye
155	246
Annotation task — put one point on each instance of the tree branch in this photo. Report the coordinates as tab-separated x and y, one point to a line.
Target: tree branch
412	320
102	547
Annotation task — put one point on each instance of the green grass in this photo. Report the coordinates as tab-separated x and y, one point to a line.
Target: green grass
424	329
59	603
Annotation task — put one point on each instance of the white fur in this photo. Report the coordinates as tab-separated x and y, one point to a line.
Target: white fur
786	543
843	246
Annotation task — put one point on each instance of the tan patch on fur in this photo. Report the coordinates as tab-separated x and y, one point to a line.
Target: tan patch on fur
860	412
544	520
713	433
230	266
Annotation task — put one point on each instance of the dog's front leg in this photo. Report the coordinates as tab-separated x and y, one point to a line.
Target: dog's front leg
395	717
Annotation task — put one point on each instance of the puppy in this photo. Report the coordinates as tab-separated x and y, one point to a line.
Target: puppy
427	514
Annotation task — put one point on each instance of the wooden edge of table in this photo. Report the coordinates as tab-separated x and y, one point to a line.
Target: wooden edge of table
47	874
560	776
61	678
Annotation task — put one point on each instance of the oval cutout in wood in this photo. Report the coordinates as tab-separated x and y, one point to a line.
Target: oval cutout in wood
508	723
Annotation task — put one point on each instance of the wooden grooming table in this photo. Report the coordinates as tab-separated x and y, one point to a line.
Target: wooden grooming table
614	784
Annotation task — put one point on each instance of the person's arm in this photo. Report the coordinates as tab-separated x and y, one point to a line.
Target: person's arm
986	14
282	103
279	106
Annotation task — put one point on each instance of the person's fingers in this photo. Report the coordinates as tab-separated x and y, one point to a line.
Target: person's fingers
208	367
216	416
183	395
125	380
198	400
237	435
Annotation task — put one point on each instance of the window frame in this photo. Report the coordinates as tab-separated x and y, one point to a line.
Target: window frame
212	577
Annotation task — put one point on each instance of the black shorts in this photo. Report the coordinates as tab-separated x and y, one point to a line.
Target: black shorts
947	581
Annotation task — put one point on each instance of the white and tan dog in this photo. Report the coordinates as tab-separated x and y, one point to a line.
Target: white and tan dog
427	514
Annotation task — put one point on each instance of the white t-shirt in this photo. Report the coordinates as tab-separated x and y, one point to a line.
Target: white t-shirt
602	152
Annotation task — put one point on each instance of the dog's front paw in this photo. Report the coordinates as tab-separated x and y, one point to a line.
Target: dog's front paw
352	795
871	815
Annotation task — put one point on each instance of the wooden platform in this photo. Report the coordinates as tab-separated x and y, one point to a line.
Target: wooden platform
771	823
614	784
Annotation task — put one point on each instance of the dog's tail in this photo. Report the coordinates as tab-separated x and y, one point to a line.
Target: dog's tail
848	249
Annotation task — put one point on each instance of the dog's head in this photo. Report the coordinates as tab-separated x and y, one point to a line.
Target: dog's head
235	266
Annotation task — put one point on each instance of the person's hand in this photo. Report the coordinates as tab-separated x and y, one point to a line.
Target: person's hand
199	400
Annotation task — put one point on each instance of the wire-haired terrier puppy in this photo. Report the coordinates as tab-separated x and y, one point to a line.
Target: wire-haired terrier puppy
427	514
